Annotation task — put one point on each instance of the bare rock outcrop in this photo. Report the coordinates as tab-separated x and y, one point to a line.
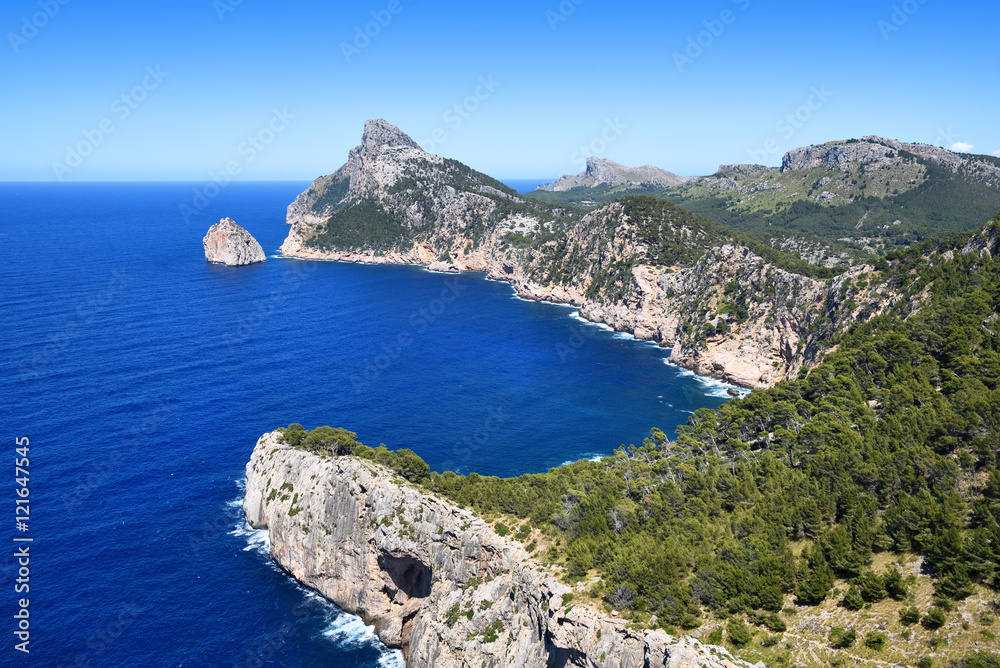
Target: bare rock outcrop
600	171
443	267
742	169
228	243
882	152
841	155
434	579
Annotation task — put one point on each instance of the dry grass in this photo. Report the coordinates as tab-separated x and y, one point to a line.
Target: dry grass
805	643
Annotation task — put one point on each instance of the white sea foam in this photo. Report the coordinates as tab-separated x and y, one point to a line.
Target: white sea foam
711	386
576	316
392	659
588	457
349	631
258	540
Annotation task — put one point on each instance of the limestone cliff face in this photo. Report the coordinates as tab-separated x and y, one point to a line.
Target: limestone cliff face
842	155
414	565
986	243
228	243
600	171
880	152
674	281
785	319
779	335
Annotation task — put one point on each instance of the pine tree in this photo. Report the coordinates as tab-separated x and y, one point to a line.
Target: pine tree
852	599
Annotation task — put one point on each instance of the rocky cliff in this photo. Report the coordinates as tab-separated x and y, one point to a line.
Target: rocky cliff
645	267
729	310
885	153
435	580
228	243
606	172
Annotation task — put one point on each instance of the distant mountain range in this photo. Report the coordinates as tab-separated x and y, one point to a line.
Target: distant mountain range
606	172
829	203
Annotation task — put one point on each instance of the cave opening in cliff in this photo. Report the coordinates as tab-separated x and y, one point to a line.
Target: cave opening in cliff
409	574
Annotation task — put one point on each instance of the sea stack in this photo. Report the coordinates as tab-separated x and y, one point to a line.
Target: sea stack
229	244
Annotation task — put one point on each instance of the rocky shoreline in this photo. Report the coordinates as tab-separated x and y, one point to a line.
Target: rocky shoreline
435	580
645	268
589	310
738	360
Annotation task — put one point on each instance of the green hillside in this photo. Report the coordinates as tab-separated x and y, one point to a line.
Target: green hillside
863	212
867	490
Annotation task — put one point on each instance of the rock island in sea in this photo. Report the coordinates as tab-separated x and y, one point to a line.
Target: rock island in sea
229	244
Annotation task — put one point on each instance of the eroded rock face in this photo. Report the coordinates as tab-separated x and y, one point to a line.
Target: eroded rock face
744	169
443	267
601	171
883	152
405	560
228	243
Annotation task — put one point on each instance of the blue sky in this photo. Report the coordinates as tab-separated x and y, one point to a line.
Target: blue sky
175	90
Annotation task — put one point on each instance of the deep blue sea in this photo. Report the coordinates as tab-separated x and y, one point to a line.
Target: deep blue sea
143	376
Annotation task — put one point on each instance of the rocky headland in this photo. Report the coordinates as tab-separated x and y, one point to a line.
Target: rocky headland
601	171
435	580
229	244
727	309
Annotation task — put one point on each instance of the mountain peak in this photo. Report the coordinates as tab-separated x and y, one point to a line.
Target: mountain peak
379	132
874	149
600	171
842	154
875	139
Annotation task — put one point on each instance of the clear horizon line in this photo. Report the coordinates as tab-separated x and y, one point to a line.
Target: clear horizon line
306	180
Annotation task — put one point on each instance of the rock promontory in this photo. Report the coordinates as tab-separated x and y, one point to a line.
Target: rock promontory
229	244
435	580
643	266
601	171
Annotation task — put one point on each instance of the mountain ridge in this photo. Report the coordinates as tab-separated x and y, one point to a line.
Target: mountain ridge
600	171
834	203
638	265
